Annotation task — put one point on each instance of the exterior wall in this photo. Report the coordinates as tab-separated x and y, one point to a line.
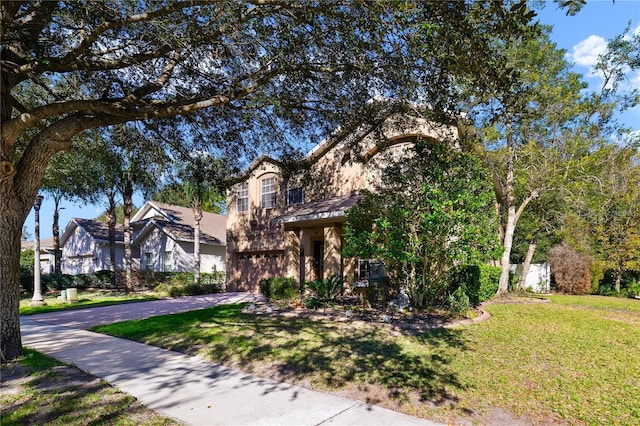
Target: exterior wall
47	263
311	251
156	244
212	258
80	254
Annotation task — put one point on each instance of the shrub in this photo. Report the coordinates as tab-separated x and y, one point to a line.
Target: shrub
283	288
265	288
570	270
633	289
479	282
458	301
161	282
58	282
178	290
279	288
26	270
323	292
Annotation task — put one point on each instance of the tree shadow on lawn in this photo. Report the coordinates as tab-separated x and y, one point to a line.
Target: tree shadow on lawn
336	355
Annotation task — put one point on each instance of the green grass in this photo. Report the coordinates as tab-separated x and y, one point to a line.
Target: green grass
575	360
40	390
85	299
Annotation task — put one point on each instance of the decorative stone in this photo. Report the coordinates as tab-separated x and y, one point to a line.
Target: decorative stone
386	318
348	313
269	309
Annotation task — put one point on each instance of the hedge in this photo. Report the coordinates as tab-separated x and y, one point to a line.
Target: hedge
480	282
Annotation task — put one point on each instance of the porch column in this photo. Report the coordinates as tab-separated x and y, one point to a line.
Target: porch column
292	254
308	256
332	247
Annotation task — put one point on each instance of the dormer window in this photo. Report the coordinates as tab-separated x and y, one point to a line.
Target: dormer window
242	198
294	196
268	193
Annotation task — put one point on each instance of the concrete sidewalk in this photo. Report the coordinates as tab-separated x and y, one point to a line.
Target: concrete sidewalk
188	388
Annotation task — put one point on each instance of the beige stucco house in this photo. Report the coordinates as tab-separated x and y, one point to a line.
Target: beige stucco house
291	226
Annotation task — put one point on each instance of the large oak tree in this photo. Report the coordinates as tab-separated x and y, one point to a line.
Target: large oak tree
238	77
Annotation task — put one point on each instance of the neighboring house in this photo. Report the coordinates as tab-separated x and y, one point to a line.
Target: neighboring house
164	235
85	247
292	227
47	258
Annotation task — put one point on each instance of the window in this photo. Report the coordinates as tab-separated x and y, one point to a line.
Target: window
147	260
268	193
242	198
168	261
294	196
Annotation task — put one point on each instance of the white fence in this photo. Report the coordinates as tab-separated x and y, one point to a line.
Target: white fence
538	278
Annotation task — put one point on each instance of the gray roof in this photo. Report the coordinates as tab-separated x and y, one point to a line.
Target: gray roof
323	209
182	232
99	230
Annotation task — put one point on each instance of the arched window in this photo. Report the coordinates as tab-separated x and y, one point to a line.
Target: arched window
268	192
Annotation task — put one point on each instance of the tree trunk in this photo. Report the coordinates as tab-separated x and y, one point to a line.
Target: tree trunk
197	216
56	236
527	263
111	223
503	287
127	207
11	222
618	280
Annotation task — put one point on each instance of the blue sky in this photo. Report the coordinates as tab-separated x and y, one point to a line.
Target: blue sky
583	36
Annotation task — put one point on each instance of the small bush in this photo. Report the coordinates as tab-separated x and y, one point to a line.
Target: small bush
278	288
570	270
633	289
283	288
181	290
323	292
26	270
58	282
459	302
265	288
480	282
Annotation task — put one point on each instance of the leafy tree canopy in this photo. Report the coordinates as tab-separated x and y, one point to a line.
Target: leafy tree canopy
232	78
431	211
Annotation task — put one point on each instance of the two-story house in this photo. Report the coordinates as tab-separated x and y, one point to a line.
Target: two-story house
280	225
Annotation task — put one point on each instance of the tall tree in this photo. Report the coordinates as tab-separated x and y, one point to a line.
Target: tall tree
237	76
68	176
537	130
202	179
431	211
607	200
139	163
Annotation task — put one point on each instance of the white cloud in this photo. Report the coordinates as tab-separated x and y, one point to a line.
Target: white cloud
632	31
587	51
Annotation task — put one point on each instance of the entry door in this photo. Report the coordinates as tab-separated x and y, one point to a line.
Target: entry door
318	259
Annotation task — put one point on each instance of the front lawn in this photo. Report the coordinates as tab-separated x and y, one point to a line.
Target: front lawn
574	360
38	390
86	299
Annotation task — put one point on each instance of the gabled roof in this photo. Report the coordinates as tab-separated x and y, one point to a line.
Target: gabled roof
178	232
45	244
97	230
180	219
